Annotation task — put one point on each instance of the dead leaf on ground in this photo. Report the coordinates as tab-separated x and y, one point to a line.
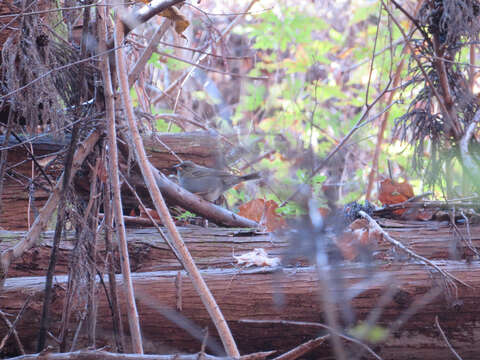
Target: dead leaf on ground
262	212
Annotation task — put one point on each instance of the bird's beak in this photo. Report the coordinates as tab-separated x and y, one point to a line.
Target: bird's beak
178	165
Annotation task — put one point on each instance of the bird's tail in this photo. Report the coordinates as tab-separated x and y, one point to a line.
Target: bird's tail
252	176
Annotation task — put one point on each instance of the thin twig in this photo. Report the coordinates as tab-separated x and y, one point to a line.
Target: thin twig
30	152
258	159
427	205
444	337
302	349
229	57
58	9
148	51
342	143
381	130
110	267
59	228
104	355
312	324
152	220
4	153
206	68
132	313
12	326
400	246
161	208
468	159
187	73
468	238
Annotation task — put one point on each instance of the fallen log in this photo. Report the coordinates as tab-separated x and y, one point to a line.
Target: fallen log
289	294
435	239
202	147
19	206
210	247
214	247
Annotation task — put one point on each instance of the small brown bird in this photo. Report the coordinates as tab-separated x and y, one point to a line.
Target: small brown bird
206	182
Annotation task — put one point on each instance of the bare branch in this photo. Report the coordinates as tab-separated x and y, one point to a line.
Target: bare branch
444	337
176	240
133	318
206	68
399	245
302	349
342	143
46	212
148	51
104	355
11	326
306	323
188	72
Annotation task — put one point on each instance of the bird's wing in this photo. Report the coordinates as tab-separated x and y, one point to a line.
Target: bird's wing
206	172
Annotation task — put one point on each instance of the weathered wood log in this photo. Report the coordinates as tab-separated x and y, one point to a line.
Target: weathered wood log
434	239
210	248
18	212
202	147
290	294
214	247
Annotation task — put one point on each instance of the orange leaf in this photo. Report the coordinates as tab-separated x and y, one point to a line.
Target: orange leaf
357	236
392	192
252	210
262	212
324	211
181	22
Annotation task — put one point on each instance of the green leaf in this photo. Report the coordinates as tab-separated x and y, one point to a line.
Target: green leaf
255	97
318	179
163	126
185	216
133	96
373	334
155	60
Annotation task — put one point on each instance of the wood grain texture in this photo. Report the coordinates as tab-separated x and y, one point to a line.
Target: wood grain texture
202	147
214	247
282	294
